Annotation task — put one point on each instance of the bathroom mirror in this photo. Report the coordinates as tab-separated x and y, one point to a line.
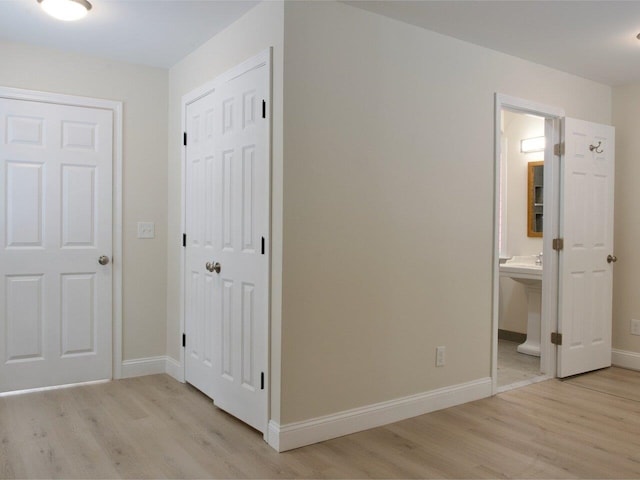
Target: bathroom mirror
535	196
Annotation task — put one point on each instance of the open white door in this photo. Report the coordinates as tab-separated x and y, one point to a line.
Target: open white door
586	266
227	211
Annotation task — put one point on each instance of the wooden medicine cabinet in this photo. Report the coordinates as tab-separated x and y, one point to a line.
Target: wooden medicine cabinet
535	196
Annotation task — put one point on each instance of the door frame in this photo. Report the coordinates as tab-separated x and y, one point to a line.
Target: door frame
551	228
265	58
116	108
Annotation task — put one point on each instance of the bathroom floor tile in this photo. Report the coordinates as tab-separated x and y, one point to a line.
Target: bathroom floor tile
513	366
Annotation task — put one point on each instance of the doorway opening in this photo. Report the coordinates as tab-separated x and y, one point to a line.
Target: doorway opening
525	292
520	235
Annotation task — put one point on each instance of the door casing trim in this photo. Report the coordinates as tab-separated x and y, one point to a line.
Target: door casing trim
551	228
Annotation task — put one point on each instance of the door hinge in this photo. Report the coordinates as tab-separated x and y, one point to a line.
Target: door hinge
184	340
261	380
262	246
556	338
264	109
184	239
558	149
184	139
558	244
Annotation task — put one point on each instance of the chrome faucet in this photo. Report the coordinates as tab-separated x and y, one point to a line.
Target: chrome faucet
539	259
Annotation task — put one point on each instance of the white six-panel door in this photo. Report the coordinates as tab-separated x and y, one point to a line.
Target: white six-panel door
242	227
55	223
586	278
227	222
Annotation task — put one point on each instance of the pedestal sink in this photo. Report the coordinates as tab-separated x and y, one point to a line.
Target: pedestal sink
523	269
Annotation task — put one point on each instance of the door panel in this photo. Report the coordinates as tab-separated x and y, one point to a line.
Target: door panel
78	206
78	314
24	318
24	204
587	228
55	221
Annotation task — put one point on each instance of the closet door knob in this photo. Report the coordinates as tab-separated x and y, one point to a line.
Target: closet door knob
213	267
612	259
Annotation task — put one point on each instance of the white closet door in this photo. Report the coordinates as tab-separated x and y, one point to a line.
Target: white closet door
199	282
55	223
242	225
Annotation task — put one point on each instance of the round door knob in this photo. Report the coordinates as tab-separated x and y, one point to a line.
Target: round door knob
103	260
213	267
612	259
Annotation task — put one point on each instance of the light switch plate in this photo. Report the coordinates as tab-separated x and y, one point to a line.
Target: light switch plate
146	230
440	356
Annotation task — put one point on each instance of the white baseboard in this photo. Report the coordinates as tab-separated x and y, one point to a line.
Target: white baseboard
625	359
174	369
143	366
139	367
298	434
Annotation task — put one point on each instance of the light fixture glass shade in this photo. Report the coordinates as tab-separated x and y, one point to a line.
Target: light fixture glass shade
530	145
67	10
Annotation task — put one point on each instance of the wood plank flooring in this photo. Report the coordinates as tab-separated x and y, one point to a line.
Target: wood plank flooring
155	427
614	381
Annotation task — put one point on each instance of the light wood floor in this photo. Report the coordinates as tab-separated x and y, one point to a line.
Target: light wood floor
155	427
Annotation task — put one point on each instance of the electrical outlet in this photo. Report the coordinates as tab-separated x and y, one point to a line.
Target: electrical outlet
146	230
440	356
635	327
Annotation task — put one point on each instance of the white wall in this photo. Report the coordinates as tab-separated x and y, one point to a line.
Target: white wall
513	297
626	272
388	203
259	29
143	92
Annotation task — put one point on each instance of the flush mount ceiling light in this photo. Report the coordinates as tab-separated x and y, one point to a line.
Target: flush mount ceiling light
67	10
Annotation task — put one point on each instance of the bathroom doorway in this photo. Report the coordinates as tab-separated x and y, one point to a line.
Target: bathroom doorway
521	214
521	258
525	218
